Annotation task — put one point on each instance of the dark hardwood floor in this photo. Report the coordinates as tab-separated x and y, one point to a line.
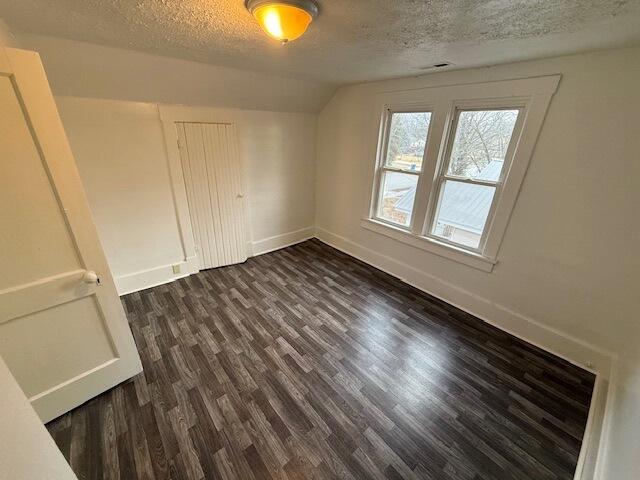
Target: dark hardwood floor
306	363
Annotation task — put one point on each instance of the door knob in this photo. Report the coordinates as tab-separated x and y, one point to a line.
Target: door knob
240	195
90	277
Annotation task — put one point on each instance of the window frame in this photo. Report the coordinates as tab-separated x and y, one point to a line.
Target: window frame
531	96
382	167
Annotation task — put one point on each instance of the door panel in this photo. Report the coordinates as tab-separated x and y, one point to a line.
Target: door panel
22	169
56	344
213	180
63	332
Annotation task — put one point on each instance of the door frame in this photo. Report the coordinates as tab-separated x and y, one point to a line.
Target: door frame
26	73
169	116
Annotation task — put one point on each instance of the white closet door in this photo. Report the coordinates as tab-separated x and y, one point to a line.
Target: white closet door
213	179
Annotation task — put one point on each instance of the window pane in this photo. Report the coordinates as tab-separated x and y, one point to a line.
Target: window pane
462	212
396	201
407	139
481	142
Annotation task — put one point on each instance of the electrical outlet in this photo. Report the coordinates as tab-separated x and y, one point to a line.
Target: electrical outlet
176	269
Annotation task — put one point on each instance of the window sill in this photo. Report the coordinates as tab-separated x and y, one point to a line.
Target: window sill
430	245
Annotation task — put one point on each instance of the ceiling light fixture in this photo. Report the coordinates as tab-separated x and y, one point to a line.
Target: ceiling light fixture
284	20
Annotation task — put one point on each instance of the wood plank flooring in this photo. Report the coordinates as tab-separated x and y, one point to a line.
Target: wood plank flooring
306	363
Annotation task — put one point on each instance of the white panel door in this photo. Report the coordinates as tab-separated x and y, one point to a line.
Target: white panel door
63	331
213	180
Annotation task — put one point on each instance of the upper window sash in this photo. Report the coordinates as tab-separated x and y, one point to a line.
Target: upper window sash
386	131
478	106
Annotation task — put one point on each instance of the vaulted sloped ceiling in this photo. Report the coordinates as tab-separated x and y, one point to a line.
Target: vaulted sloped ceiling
352	40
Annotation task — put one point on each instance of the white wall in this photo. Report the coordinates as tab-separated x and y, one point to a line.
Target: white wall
92	71
6	36
120	151
108	100
280	150
27	451
568	258
568	270
620	451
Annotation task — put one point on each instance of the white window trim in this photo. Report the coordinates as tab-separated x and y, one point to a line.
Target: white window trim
428	244
531	95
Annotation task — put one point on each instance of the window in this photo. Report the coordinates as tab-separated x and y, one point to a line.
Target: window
469	180
450	163
404	151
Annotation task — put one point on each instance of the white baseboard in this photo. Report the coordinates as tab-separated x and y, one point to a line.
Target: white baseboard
593	432
607	424
134	282
277	242
153	277
559	343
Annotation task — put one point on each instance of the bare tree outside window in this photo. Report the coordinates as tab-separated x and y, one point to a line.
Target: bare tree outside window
481	136
407	139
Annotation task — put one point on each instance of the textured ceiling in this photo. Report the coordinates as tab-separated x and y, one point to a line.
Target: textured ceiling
352	40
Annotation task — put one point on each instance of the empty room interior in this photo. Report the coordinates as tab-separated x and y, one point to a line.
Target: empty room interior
319	239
